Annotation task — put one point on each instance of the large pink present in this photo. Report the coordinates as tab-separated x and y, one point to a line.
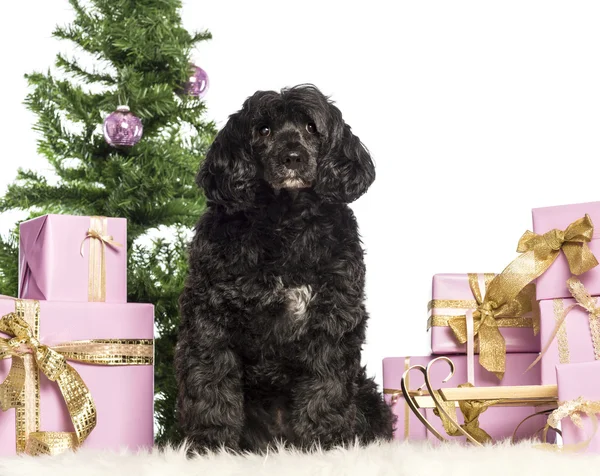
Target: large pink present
117	338
551	284
498	422
454	296
578	396
577	339
73	258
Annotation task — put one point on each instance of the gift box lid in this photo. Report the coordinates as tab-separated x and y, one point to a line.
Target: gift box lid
561	216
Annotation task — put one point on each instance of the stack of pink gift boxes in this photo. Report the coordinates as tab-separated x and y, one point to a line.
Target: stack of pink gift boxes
534	324
75	357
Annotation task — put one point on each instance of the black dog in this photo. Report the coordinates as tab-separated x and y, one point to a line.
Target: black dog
273	319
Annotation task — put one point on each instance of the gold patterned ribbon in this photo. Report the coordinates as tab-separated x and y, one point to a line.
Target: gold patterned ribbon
586	301
573	409
471	410
99	239
564	356
498	306
20	389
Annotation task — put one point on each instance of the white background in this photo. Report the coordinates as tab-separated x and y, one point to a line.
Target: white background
475	112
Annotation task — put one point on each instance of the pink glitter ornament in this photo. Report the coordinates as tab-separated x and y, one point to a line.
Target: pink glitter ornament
122	128
197	84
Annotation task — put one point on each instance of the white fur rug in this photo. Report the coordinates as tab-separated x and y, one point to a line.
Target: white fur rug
396	459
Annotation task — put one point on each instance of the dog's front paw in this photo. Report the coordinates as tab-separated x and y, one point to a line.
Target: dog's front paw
212	441
327	432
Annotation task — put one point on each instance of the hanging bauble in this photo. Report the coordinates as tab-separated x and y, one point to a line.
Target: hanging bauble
197	84
122	128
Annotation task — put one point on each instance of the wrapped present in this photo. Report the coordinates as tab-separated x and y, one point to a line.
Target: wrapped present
550	222
579	397
569	330
508	293
408	426
498	422
478	310
454	299
75	374
73	258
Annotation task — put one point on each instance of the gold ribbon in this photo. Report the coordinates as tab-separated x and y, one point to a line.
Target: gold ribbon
538	252
586	301
497	303
471	410
20	390
590	304
509	292
99	239
573	409
564	356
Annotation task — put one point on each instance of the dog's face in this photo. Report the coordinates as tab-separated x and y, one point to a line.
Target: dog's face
295	139
286	143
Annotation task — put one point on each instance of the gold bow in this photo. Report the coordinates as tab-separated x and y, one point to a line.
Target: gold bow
496	304
590	304
98	234
573	241
20	389
471	409
585	300
506	292
573	409
538	252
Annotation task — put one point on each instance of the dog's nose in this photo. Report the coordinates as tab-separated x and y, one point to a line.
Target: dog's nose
293	159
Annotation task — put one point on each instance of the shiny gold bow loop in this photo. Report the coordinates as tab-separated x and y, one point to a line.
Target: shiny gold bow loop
99	239
54	366
20	389
573	409
586	301
471	410
495	305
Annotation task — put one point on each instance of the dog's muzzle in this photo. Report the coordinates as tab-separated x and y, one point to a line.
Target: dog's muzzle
294	159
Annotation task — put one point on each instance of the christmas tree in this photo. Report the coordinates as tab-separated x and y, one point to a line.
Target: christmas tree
134	53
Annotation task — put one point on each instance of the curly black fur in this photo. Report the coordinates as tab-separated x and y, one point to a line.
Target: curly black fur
273	319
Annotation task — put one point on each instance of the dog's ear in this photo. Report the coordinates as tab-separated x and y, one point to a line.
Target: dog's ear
228	173
346	171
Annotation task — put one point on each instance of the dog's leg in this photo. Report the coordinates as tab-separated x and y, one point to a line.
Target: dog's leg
324	408
210	401
374	419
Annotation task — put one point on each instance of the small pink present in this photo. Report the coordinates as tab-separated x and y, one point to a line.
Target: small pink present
498	422
577	339
455	295
551	284
579	405
98	356
73	258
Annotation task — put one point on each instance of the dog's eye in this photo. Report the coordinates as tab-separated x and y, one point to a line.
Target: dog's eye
264	131
311	128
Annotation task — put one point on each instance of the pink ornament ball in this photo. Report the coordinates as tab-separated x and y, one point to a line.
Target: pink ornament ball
122	128
197	84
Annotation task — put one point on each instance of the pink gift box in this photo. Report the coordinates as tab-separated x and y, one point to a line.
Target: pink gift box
124	395
51	266
574	381
455	287
572	344
498	422
551	284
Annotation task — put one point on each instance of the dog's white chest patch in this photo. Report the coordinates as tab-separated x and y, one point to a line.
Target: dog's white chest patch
298	300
